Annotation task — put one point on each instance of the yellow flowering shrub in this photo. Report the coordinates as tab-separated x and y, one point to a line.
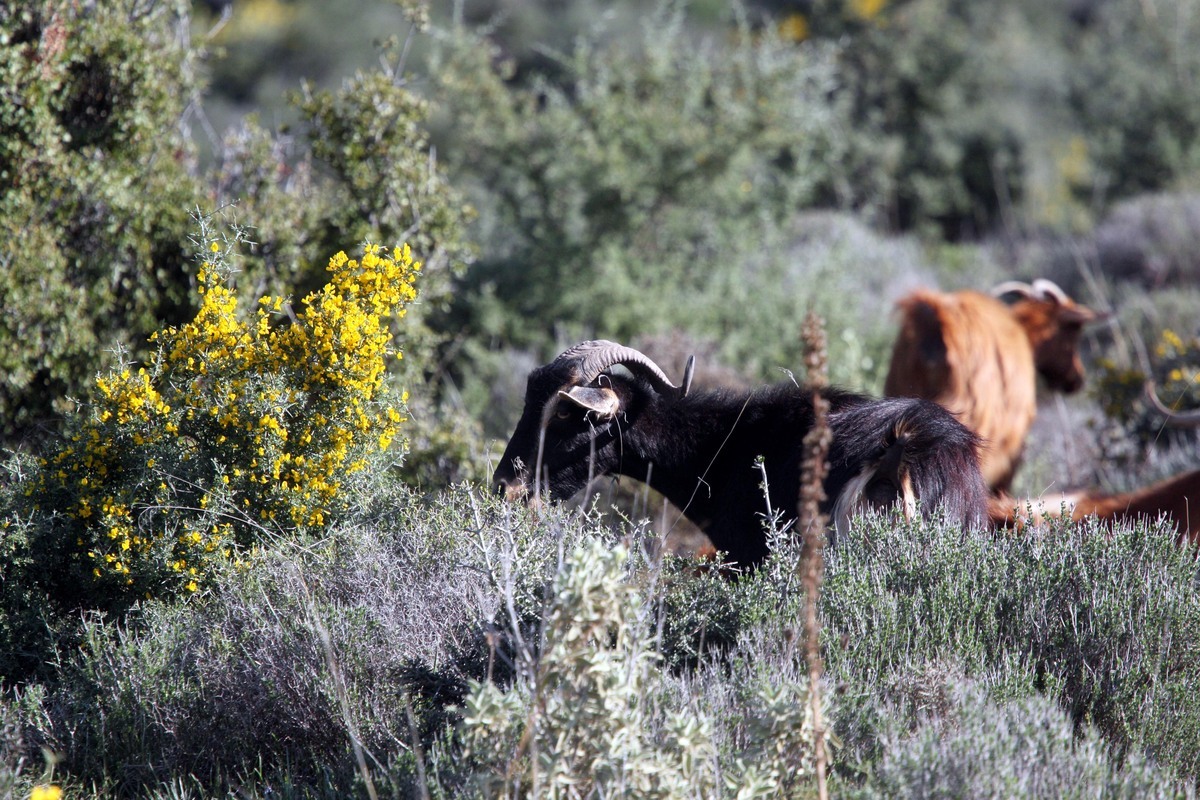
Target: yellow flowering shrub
866	9
1179	364
1175	370
244	425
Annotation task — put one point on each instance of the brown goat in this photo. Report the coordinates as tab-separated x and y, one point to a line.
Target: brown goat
979	358
1177	498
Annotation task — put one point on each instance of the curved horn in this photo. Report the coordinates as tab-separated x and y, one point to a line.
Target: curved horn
1178	419
589	359
1049	290
1020	287
688	371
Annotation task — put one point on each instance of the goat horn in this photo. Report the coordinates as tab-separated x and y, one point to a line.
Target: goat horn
1020	287
1178	419
688	371
1046	289
589	359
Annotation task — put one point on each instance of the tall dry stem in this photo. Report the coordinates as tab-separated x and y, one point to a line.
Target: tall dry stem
812	525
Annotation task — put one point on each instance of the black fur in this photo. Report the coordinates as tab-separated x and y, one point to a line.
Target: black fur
700	451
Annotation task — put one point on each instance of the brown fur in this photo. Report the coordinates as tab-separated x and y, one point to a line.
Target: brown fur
1177	498
979	358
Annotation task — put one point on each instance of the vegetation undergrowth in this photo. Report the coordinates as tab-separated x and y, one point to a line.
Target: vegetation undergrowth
242	428
224	576
481	649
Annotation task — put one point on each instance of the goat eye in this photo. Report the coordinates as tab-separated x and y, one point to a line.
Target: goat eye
562	412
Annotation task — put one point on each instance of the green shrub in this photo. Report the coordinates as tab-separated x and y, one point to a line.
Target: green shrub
93	219
25	629
588	713
387	187
641	177
359	168
929	143
364	171
96	226
955	128
1136	98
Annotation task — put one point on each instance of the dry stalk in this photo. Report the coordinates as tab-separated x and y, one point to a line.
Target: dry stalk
812	526
341	691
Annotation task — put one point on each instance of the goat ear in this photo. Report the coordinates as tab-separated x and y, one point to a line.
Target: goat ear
602	401
890	466
891	482
1083	315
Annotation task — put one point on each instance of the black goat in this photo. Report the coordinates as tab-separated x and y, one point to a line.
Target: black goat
582	419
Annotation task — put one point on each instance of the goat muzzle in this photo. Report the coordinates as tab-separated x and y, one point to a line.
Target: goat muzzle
516	491
512	491
1067	384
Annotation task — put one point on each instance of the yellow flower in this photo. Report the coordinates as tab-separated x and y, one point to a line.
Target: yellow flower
794	27
46	792
295	409
867	9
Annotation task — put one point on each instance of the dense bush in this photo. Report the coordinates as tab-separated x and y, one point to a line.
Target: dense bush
1136	96
622	194
362	171
1024	748
323	645
94	216
968	117
927	147
394	631
96	229
1099	622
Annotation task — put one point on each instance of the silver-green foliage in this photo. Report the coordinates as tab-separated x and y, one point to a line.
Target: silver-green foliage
579	718
1102	621
589	714
1023	748
596	672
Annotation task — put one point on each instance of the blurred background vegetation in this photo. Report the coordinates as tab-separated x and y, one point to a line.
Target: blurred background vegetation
686	177
682	176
